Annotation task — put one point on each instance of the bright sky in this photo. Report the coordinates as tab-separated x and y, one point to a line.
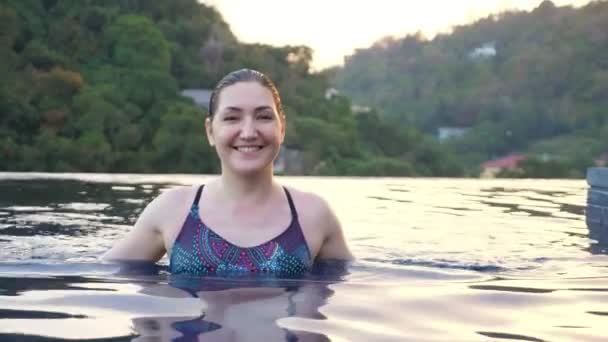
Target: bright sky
335	28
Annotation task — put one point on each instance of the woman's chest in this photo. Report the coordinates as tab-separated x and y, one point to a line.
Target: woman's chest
247	229
201	250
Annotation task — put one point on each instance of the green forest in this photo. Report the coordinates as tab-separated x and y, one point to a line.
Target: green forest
532	83
95	86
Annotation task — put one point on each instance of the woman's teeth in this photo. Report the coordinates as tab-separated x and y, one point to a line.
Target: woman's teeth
248	148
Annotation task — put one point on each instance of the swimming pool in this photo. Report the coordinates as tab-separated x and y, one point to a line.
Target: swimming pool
438	260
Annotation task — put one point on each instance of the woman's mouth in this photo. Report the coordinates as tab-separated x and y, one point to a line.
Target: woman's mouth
248	148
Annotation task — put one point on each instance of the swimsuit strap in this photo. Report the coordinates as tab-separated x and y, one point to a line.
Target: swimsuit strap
198	195
292	207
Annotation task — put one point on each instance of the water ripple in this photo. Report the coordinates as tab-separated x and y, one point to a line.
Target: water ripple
438	259
509	336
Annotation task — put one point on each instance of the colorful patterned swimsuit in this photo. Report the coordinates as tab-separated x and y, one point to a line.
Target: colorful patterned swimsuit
198	250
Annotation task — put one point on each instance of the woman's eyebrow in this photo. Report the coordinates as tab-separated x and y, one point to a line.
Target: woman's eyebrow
239	109
262	108
233	109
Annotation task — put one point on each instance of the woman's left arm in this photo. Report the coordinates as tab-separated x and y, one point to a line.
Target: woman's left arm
334	245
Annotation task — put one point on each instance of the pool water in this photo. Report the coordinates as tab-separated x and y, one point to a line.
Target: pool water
437	260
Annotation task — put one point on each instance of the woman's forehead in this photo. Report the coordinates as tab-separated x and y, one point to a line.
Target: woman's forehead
245	95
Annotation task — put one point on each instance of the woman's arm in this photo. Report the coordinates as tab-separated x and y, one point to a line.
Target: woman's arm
334	245
144	242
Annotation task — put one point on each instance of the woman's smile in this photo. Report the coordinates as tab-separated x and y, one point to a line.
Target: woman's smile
248	148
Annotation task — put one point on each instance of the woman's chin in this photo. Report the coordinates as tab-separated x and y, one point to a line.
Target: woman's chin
249	164
250	169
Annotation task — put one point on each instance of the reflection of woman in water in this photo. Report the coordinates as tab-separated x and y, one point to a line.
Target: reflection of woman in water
237	310
243	221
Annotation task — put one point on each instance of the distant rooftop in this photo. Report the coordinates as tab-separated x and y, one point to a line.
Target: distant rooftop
360	109
200	96
509	162
487	50
445	133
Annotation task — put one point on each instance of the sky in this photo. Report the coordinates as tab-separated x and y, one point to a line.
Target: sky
335	28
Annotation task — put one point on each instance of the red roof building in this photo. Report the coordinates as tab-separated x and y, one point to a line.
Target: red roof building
510	162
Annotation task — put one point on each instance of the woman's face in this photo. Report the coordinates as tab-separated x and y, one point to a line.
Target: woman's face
246	129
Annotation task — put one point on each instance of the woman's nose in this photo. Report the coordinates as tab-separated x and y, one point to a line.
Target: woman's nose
249	129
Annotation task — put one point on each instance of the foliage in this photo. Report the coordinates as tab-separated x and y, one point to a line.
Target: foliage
550	168
516	79
94	86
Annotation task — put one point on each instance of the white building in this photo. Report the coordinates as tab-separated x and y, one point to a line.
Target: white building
487	50
445	133
331	92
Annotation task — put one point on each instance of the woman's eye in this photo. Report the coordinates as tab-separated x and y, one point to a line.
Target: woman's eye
230	118
266	116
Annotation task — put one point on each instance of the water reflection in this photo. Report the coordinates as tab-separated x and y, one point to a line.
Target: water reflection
599	235
444	259
67	219
237	309
507	336
241	308
510	289
535	202
18	199
544	200
506	225
25	314
596	217
36	338
10	286
229	309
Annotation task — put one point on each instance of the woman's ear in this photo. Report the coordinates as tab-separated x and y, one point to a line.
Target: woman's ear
283	127
209	131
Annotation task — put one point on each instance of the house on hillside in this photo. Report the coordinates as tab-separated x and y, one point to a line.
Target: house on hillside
444	133
331	92
200	97
493	167
360	109
487	50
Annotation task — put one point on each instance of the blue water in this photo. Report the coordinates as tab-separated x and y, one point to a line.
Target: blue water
437	260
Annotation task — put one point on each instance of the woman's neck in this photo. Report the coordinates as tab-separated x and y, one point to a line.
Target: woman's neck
250	188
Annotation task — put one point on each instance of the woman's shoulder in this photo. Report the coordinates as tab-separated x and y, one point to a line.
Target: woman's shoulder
178	193
307	200
174	197
310	206
320	226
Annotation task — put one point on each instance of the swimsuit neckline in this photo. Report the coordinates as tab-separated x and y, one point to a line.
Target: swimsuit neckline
283	232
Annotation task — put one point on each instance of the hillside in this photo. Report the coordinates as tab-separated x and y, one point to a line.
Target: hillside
95	86
533	82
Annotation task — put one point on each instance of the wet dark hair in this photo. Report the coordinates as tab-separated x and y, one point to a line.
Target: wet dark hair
244	75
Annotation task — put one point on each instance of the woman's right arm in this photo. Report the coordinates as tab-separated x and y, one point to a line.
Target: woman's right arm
144	242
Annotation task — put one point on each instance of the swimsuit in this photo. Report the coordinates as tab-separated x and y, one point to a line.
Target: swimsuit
198	250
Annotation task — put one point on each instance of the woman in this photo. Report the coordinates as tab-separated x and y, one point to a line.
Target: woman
243	221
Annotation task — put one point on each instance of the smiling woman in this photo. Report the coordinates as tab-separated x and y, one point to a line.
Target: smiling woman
246	123
244	221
